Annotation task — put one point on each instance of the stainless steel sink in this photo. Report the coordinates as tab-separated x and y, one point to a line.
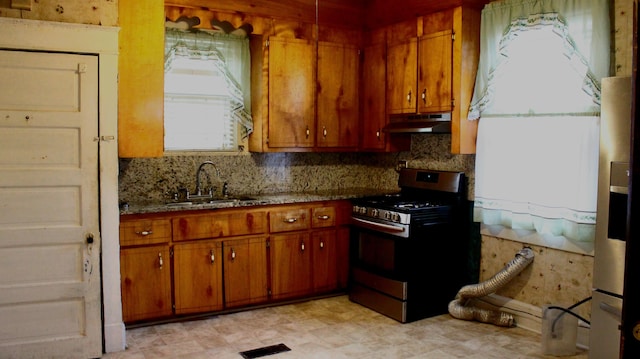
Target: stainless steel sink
193	202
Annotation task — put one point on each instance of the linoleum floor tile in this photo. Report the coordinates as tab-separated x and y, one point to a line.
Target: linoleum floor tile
331	328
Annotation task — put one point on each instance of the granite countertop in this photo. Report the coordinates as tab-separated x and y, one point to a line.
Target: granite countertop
252	200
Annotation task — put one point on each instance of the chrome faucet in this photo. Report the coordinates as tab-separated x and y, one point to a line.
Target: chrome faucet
200	169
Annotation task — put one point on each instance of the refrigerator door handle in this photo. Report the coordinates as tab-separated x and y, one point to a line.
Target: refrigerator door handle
613	310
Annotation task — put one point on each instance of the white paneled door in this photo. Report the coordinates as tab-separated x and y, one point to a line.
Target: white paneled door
50	302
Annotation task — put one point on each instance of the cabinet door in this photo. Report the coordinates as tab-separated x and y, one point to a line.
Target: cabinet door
245	271
337	91
342	256
291	93
374	88
145	283
434	74
290	265
141	61
198	276
325	275
402	77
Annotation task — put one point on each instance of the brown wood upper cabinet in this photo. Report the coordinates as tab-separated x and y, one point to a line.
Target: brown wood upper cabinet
141	79
304	100
291	98
431	68
374	109
337	93
435	52
419	73
402	62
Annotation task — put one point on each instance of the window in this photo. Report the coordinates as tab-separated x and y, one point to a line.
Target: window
196	108
537	96
207	93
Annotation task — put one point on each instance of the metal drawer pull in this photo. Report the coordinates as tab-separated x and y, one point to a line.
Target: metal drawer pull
213	257
324	217
302	246
321	244
233	254
145	233
424	96
160	261
290	220
409	97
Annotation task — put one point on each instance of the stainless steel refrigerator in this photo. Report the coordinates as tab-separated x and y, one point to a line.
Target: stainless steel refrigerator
609	253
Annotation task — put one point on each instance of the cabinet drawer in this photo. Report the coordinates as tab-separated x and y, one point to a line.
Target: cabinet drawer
200	227
216	225
289	219
144	231
243	223
323	217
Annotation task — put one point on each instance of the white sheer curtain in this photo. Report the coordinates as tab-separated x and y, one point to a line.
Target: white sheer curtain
537	96
231	56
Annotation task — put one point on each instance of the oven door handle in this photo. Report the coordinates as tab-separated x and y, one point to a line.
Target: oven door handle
377	226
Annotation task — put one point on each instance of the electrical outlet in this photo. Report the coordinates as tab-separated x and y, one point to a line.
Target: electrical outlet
401	164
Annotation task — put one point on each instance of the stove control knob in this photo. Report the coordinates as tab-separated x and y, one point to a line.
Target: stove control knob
387	216
374	212
395	217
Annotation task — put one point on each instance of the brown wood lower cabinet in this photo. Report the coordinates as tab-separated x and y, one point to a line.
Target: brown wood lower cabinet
324	260
197	275
245	271
146	282
290	265
187	263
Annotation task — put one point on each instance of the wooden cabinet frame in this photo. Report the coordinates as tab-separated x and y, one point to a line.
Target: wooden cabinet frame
187	263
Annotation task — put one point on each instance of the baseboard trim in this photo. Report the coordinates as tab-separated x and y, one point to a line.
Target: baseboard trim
527	316
115	338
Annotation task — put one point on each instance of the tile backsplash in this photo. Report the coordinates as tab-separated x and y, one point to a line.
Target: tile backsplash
143	180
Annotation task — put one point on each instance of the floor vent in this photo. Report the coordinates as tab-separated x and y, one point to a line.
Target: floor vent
264	351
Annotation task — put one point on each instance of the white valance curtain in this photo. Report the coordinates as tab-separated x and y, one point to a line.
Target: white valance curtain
537	95
231	56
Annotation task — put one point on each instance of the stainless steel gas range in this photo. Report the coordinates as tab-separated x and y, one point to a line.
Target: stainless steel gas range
409	249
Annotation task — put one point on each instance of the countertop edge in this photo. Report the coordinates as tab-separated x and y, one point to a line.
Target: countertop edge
255	200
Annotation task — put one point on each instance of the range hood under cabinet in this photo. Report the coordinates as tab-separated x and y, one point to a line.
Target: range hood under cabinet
421	123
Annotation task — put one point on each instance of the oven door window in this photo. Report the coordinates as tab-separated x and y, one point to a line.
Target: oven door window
375	251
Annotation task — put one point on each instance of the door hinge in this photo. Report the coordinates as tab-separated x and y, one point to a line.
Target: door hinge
453	36
171	252
453	102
